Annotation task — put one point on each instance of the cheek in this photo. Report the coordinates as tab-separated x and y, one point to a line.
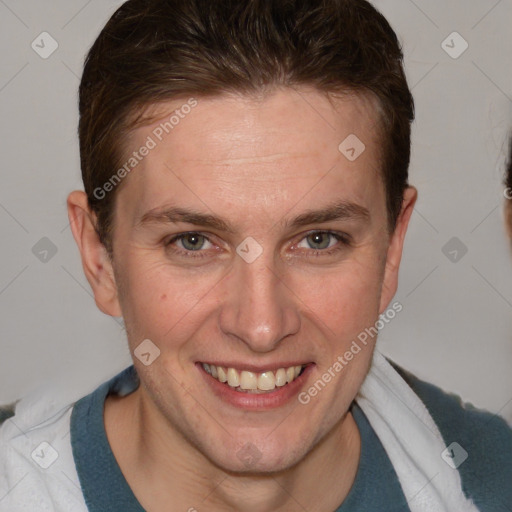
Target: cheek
161	302
155	299
345	299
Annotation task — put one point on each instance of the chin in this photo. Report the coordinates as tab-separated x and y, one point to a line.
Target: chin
258	464
258	457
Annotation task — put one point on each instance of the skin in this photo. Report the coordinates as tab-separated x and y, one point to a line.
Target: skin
255	162
508	217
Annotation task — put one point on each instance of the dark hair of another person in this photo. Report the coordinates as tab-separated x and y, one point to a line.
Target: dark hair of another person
508	190
508	170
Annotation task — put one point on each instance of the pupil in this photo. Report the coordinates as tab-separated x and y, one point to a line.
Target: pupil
318	238
191	241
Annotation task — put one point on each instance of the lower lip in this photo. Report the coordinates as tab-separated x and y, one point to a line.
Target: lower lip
256	402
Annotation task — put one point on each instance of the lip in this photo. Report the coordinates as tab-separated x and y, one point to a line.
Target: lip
256	402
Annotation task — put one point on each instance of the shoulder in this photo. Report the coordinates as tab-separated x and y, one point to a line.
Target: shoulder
37	470
37	464
486	438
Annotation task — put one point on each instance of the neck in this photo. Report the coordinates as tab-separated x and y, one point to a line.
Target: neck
162	467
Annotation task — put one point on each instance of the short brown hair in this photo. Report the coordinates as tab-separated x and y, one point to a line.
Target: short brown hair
152	51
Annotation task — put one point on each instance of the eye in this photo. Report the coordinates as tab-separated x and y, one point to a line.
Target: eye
187	243
324	242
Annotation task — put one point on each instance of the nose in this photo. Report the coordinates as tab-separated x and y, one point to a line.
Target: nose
258	309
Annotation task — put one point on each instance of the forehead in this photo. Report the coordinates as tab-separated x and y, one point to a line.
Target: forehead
257	150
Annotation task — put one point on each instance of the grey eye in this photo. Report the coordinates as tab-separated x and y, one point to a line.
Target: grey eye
192	241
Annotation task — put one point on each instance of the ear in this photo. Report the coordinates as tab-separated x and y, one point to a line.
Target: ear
395	248
95	260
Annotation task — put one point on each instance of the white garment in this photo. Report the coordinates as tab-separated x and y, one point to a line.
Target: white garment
411	440
25	485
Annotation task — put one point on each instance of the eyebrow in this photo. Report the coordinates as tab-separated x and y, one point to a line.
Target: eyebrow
341	210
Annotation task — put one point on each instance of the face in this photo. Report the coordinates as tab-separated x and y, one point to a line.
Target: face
247	241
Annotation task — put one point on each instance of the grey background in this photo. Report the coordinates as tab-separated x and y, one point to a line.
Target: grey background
456	326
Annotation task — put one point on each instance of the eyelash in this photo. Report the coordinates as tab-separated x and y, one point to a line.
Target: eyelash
344	239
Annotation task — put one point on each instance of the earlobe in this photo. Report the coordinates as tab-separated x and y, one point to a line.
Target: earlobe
394	254
95	261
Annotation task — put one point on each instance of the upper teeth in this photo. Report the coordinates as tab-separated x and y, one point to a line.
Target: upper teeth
247	380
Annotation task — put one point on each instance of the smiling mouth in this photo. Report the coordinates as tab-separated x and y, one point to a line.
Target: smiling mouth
251	382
